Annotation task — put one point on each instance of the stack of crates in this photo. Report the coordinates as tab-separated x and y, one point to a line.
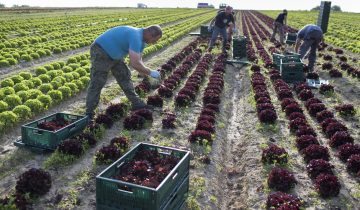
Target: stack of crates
239	47
204	31
171	194
290	38
292	70
277	57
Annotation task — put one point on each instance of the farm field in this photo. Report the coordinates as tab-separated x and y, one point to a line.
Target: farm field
251	136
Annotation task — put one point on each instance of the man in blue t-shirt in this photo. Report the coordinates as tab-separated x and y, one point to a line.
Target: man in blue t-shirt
279	24
311	35
222	20
108	52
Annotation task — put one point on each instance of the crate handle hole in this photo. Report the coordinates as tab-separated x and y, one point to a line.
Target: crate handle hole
121	164
125	191
175	175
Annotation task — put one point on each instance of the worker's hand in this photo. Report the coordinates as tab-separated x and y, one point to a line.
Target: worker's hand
210	28
154	74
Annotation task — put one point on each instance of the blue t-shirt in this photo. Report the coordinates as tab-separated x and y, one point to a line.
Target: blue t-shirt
309	32
117	41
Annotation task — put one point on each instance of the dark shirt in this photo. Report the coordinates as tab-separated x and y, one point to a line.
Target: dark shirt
310	32
280	18
221	19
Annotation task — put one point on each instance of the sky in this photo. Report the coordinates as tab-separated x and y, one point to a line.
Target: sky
346	5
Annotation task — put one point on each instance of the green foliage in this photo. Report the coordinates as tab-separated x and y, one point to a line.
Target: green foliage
34	55
8	118
35	105
7	83
26	75
12	100
60	79
79	84
85	80
16	79
62	63
56	66
48	67
8	90
11	61
3	106
71	60
45	78
55	84
23	112
36	81
34	93
26	57
69	77
46	100
74	66
24	95
28	83
54	73
66	91
55	95
4	63
72	86
40	71
57	50
20	86
75	75
67	69
46	87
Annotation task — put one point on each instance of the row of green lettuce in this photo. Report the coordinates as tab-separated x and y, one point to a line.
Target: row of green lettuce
26	94
30	48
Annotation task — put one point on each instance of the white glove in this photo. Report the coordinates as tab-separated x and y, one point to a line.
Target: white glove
209	28
154	74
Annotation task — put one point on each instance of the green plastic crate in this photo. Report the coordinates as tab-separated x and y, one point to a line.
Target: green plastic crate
204	31
292	70
290	38
33	136
175	201
239	47
110	193
278	57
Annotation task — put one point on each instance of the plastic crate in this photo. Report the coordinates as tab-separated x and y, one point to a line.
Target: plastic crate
33	136
239	47
175	201
204	31
111	194
290	38
292	70
289	55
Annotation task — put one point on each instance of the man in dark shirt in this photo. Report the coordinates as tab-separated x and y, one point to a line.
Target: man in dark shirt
312	36
279	24
221	20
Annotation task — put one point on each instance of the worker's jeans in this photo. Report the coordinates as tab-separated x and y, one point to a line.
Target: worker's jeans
311	42
101	63
215	33
278	27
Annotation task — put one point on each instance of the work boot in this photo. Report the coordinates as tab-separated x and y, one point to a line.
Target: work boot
141	106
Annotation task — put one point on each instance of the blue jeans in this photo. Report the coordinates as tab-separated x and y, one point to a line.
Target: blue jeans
311	42
215	33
